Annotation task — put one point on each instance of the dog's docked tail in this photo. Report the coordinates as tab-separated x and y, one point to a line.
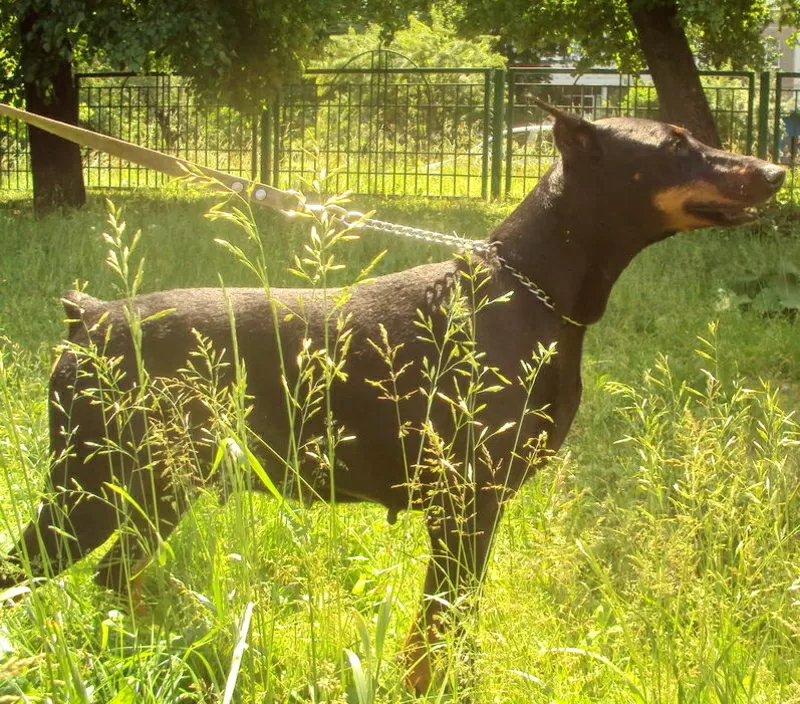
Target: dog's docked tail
76	305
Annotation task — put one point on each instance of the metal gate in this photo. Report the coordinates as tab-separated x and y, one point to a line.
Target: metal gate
383	130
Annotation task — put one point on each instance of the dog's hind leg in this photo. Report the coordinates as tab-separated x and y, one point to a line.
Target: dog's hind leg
75	516
151	516
71	522
79	510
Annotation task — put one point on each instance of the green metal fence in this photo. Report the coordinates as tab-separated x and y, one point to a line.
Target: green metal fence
161	112
14	161
156	111
391	131
433	132
786	126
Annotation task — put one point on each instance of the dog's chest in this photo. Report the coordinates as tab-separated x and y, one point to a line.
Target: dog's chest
544	386
566	398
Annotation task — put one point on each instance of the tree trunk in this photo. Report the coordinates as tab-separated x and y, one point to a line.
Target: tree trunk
671	63
55	163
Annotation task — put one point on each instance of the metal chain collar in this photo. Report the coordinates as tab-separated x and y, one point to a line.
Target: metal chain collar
355	219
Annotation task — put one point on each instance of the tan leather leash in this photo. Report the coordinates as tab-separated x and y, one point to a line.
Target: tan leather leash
258	193
261	194
151	159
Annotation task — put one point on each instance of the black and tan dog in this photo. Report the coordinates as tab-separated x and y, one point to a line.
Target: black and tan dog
620	185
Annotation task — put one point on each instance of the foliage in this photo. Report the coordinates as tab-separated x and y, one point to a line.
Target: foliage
432	43
601	32
662	567
239	50
72	31
771	292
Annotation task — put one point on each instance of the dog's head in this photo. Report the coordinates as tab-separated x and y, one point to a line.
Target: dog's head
657	175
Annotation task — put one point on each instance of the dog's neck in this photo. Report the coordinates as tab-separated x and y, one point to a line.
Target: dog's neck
564	249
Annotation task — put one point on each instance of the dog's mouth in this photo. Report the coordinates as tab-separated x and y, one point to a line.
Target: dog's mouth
722	214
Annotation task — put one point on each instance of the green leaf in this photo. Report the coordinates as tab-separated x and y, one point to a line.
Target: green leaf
360	677
790	298
788	268
767	301
157	316
125	696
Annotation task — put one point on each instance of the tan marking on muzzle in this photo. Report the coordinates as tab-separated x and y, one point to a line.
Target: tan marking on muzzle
671	202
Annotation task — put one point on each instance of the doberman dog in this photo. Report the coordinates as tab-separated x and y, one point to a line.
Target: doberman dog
620	185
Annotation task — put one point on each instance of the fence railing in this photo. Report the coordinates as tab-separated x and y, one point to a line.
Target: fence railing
470	132
787	126
161	112
393	131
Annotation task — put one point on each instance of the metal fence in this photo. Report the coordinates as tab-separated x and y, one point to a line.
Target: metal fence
155	111
390	131
161	112
14	161
787	126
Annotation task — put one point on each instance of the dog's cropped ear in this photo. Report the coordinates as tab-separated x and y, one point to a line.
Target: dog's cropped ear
574	136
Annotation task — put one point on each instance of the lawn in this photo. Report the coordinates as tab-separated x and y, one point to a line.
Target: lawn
655	559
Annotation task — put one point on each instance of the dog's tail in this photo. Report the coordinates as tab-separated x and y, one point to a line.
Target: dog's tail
76	305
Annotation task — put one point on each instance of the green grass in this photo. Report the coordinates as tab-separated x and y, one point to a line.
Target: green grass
655	559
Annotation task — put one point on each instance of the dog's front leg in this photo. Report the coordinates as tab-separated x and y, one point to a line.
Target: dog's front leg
461	536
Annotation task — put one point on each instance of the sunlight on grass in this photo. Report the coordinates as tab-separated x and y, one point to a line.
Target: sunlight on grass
655	559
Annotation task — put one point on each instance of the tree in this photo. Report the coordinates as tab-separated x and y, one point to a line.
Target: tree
663	35
237	50
425	41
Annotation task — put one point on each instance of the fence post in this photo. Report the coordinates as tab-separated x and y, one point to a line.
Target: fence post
751	96
776	132
487	123
763	116
511	94
276	141
255	129
497	131
265	158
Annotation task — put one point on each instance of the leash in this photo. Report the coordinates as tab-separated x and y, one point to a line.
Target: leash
269	196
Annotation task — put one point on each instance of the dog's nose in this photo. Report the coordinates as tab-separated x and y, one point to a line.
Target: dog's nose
773	174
